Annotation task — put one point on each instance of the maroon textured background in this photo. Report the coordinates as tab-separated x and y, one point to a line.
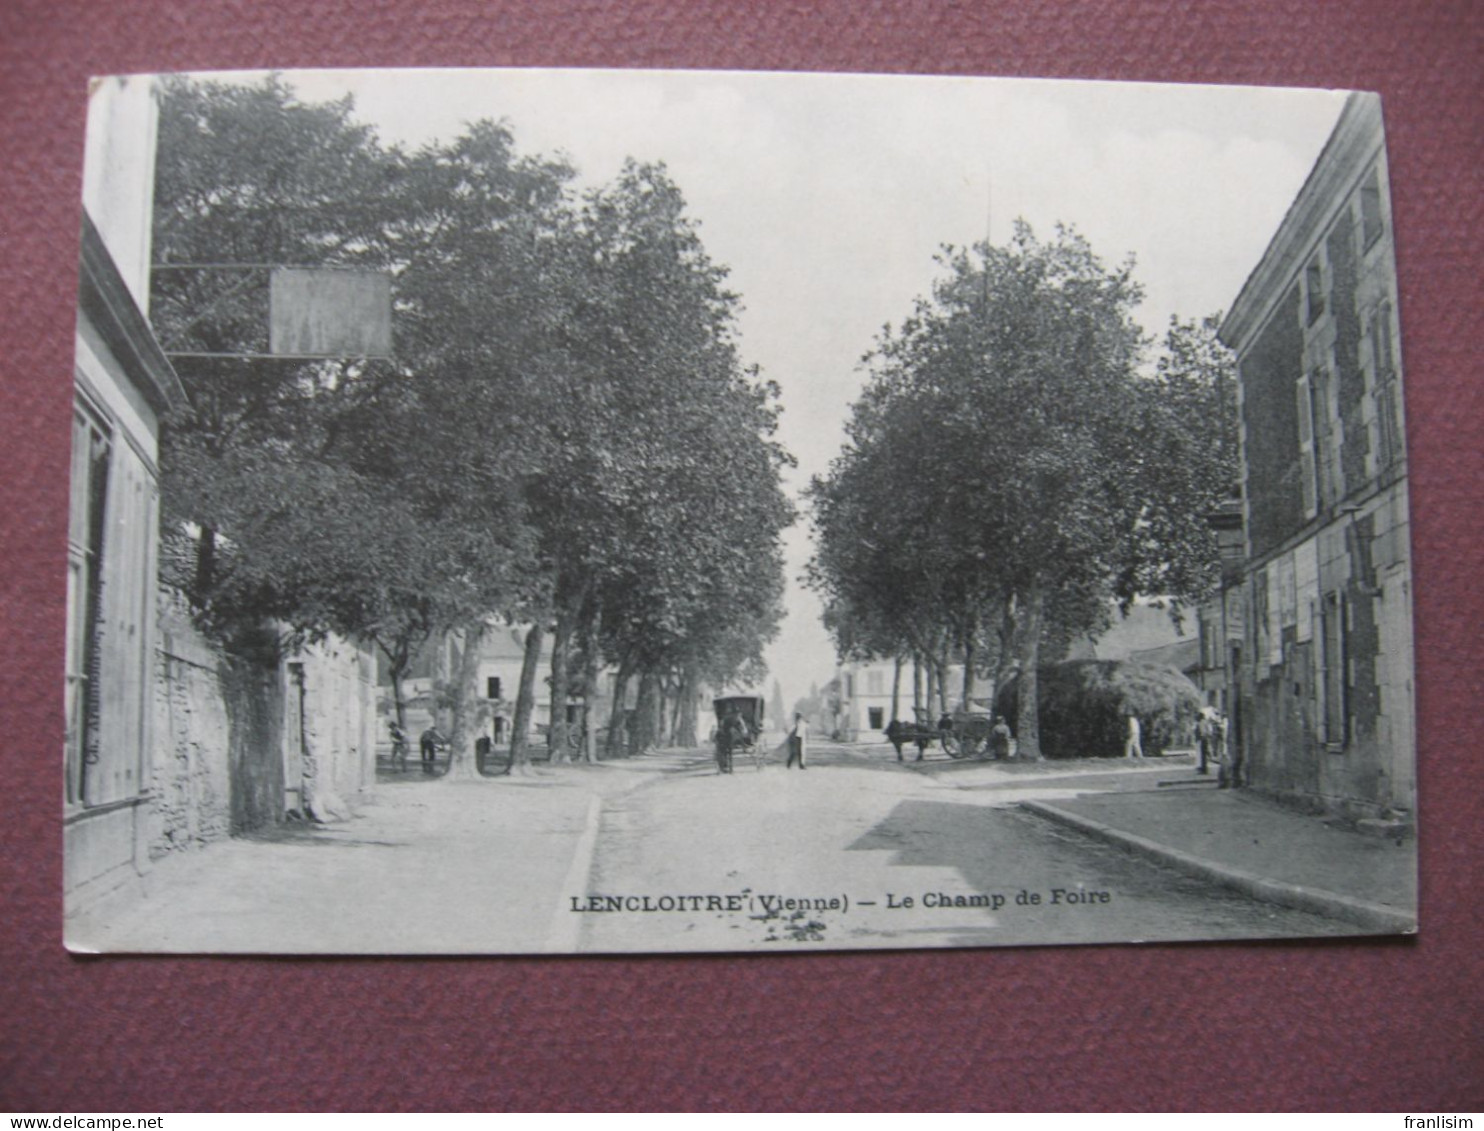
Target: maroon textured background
1365	1025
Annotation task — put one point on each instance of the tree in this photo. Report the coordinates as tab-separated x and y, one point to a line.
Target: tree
370	498
1001	454
658	506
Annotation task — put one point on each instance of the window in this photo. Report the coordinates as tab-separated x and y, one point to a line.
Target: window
1385	389
111	570
875	683
1333	681
1314	290
1370	210
876	717
1308	482
492	687
91	445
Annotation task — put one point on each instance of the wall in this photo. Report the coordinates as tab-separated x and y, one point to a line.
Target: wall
1326	712
339	723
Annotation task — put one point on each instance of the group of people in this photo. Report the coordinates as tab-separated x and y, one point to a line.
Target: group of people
735	731
1210	733
428	743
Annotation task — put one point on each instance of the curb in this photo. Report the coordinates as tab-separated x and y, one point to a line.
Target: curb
563	935
1374	917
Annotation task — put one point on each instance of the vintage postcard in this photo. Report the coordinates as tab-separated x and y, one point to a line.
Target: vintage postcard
540	511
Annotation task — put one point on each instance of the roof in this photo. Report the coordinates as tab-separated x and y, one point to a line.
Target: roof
104	298
1146	627
1353	144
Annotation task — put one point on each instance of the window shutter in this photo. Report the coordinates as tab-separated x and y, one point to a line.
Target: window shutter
1306	446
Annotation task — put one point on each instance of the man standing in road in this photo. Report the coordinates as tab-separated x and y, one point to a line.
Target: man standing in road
428	743
797	739
1133	746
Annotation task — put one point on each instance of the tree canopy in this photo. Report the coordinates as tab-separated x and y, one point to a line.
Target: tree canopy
1010	466
565	435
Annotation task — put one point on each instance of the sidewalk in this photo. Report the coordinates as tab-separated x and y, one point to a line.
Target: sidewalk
425	867
1259	848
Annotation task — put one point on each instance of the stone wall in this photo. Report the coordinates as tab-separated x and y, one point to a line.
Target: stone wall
190	778
230	730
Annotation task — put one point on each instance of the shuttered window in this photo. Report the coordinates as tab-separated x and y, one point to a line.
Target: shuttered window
1387	390
113	510
1333	675
91	443
1307	466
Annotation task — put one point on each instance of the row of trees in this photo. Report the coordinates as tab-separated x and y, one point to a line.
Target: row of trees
564	438
1014	467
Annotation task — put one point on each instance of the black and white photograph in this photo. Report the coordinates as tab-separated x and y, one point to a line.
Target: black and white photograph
582	512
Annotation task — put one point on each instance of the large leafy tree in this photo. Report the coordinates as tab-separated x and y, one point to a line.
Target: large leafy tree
660	506
379	499
565	435
1010	453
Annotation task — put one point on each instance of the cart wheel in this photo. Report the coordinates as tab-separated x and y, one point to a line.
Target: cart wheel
953	746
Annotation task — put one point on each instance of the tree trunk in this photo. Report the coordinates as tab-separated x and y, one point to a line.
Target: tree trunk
1027	707
941	662
896	685
918	703
525	700
685	727
968	692
205	564
932	686
1006	634
461	764
643	735
398	670
561	648
665	730
591	673
617	738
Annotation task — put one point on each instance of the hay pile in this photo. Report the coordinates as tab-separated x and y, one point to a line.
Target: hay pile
1084	704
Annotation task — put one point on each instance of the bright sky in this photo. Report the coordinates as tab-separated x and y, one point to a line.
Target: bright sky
827	196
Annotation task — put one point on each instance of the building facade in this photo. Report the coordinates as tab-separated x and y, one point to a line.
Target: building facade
1316	621
123	385
170	743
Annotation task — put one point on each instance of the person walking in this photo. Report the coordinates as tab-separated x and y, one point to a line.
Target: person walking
1205	731
797	742
399	746
999	739
1133	745
428	743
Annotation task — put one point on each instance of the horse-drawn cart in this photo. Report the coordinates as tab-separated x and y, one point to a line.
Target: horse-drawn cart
739	730
901	734
962	734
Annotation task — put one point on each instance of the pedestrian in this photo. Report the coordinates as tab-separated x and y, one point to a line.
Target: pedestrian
483	747
1205	732
428	743
1133	745
896	734
734	735
999	738
798	741
399	745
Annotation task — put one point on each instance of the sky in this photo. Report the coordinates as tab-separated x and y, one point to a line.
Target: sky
828	196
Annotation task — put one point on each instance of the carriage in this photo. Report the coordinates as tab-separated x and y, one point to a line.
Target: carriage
739	730
968	734
962	734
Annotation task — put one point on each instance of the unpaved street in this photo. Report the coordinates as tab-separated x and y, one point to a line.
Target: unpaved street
662	852
880	854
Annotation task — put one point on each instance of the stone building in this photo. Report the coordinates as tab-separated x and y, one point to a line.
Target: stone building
170	743
1317	613
123	385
